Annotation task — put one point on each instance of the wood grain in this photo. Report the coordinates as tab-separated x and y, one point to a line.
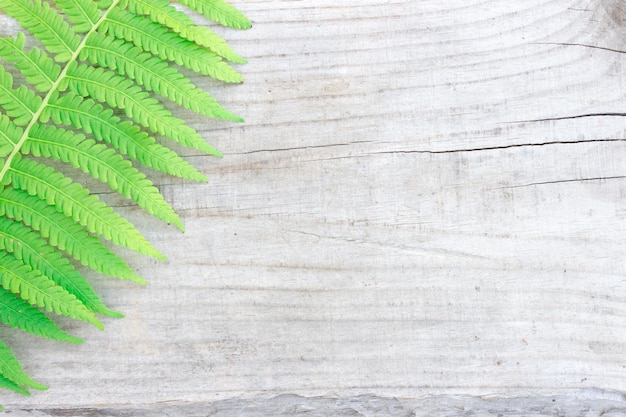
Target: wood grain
589	404
426	199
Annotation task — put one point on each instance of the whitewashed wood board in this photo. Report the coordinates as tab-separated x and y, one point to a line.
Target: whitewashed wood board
585	404
427	200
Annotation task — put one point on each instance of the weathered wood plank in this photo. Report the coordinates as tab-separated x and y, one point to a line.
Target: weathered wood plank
427	198
590	403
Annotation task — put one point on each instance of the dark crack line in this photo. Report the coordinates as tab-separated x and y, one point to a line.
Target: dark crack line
428	152
616	177
576	116
301	148
603	48
494	148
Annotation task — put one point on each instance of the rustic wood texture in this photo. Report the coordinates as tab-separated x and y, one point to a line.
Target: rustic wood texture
589	404
428	198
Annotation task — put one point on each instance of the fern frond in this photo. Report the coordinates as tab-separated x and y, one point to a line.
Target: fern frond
117	91
41	291
75	201
161	12
102	163
9	135
36	66
27	246
128	139
91	59
62	232
220	12
19	314
46	25
83	15
104	4
152	73
12	386
20	104
155	38
11	369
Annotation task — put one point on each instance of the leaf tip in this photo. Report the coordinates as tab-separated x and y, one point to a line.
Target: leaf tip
137	279
37	385
112	313
75	341
142	282
97	323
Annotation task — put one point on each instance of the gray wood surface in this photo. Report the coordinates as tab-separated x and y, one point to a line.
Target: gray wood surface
426	206
588	404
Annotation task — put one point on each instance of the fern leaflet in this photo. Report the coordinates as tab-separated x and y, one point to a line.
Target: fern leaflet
98	77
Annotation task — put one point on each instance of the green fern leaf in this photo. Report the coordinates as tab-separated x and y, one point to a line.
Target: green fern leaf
154	38
27	246
128	139
46	25
11	369
117	91
103	164
18	313
92	59
8	384
9	135
104	4
221	12
62	232
152	73
161	12
40	291
74	200
83	15
38	69
20	104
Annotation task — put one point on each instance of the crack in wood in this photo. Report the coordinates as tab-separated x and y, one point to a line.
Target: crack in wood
300	148
500	147
444	151
531	184
576	116
582	45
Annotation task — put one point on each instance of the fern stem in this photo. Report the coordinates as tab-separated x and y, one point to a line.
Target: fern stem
53	89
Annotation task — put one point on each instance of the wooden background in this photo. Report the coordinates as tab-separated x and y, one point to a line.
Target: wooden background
425	210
